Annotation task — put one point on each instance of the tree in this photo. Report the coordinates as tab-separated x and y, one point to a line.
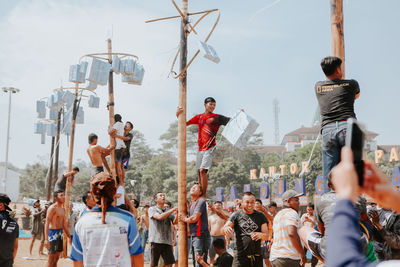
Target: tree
226	174
33	181
170	138
141	153
154	175
82	181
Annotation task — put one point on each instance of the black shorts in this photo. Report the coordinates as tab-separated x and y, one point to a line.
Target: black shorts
56	240
314	245
118	154
164	250
97	169
264	250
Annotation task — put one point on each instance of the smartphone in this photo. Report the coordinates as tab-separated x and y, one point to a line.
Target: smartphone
355	140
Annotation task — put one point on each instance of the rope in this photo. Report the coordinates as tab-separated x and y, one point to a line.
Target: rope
309	159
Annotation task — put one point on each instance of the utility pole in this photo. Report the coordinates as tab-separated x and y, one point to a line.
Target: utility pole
9	90
337	31
57	147
182	228
50	174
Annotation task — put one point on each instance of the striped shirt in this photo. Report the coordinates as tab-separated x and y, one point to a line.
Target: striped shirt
109	244
282	246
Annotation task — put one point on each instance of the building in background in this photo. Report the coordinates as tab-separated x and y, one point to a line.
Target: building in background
12	183
303	136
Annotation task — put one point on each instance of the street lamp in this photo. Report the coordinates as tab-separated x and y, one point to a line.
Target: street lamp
8	90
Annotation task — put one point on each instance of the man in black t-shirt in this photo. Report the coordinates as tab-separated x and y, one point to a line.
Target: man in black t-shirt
127	138
224	258
62	180
250	227
9	233
336	102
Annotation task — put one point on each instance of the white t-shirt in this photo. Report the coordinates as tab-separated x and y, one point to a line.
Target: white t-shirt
282	247
121	199
119	126
109	244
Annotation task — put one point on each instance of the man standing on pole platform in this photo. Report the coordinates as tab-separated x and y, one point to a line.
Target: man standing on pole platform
336	102
209	124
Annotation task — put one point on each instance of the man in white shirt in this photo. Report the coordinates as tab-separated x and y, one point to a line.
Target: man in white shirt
105	235
286	250
118	129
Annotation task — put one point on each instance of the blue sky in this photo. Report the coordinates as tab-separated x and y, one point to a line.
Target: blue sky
265	54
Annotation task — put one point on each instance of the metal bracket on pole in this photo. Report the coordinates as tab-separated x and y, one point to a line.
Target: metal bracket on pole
192	29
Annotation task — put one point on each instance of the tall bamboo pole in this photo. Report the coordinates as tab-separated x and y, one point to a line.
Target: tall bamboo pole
337	31
50	175
57	147
71	153
182	208
111	109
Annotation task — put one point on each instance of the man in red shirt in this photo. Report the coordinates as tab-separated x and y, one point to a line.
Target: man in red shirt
209	124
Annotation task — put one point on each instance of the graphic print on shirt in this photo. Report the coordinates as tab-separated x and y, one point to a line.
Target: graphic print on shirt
247	225
209	127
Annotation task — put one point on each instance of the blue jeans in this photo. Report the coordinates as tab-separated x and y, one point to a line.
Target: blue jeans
333	139
200	245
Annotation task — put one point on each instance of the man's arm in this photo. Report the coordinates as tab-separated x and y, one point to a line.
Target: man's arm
68	174
200	260
123	138
49	216
321	228
295	240
15	248
228	228
192	219
263	235
220	213
78	263
137	260
162	216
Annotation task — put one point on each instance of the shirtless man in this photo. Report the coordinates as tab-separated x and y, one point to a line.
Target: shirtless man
55	223
216	224
97	155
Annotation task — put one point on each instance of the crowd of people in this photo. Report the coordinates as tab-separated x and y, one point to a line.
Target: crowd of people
342	229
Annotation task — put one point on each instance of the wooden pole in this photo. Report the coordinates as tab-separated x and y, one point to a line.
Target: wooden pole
50	175
71	153
182	206
57	148
111	109
337	31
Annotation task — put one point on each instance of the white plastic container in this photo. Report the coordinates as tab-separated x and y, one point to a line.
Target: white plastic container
239	129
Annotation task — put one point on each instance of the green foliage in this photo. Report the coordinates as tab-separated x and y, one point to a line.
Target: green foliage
227	173
33	181
170	139
141	153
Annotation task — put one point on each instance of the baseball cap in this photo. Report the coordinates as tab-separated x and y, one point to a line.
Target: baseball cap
289	194
6	200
